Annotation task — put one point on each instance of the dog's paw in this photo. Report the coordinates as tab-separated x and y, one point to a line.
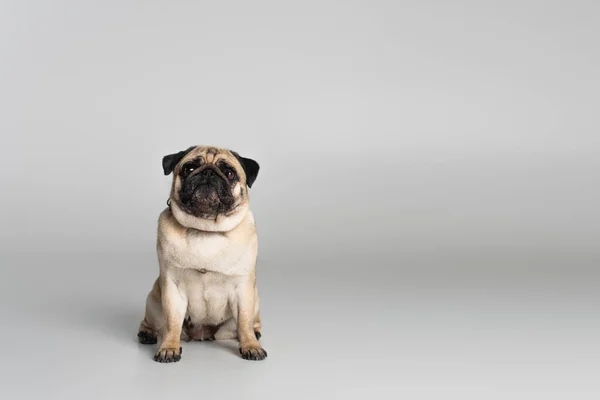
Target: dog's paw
146	337
168	355
253	352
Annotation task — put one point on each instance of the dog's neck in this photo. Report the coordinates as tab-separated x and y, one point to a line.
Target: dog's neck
222	223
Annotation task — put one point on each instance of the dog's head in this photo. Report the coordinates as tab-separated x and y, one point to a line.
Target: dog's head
210	186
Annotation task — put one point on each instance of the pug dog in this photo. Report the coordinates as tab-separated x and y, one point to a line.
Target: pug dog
207	250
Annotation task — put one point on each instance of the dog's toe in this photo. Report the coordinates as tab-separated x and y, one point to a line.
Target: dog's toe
253	353
168	355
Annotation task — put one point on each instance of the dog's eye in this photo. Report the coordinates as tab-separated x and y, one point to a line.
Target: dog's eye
230	175
188	168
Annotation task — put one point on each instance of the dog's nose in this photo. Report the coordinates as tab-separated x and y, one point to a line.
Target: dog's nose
208	172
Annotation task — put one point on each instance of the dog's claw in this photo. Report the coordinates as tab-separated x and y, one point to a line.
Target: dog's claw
253	353
168	355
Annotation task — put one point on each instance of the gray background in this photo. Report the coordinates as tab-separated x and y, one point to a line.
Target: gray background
427	201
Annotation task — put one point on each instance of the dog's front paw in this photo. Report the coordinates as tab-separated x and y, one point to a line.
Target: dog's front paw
168	355
253	352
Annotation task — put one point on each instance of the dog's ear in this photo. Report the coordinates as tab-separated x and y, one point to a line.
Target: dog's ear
250	166
171	160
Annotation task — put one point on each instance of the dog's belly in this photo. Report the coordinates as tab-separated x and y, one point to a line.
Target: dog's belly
210	297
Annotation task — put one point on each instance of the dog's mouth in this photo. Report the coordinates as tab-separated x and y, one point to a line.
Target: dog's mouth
207	199
207	194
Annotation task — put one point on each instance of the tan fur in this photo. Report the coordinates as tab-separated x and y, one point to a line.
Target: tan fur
206	288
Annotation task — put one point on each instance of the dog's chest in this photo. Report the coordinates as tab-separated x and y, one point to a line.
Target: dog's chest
207	247
208	251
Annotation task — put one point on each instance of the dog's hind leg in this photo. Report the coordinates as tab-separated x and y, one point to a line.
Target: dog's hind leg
151	324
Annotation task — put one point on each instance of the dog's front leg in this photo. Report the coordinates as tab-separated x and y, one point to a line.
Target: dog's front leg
250	349
174	306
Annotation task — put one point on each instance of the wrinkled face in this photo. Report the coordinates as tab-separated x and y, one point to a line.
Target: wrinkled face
209	181
207	189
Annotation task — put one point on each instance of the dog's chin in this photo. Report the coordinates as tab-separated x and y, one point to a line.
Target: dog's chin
206	210
209	220
207	203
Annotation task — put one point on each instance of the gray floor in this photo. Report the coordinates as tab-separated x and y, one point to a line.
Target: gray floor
334	328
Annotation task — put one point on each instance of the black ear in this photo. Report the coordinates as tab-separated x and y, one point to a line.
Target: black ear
250	166
170	161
